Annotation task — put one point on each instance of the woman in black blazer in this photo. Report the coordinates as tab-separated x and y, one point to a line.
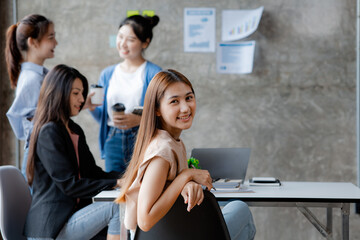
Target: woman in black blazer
61	168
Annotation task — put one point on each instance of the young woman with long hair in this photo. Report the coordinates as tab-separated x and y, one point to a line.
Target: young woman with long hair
158	172
28	44
61	169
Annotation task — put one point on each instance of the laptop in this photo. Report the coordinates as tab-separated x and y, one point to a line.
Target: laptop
223	163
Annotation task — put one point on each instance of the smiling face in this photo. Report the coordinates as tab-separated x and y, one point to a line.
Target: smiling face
76	97
177	109
128	44
47	44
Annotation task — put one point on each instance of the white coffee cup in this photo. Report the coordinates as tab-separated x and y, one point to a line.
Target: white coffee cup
98	97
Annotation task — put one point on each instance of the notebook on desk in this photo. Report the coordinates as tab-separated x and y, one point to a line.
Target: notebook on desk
224	163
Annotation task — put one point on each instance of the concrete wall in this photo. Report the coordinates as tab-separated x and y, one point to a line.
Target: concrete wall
297	110
7	138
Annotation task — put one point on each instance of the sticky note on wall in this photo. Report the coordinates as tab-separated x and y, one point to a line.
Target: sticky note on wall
149	13
130	13
112	41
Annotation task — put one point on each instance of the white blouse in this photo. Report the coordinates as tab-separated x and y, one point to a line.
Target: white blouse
125	88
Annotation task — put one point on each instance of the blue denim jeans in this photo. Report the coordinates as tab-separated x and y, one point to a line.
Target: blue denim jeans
89	221
118	148
239	220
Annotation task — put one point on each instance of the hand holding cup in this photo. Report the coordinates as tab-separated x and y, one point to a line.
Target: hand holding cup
98	94
118	110
95	97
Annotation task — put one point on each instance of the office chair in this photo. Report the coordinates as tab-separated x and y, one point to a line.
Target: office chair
15	200
202	222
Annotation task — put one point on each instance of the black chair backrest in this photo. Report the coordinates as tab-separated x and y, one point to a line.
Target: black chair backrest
202	222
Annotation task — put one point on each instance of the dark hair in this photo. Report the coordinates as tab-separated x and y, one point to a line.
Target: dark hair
53	105
142	26
149	122
34	26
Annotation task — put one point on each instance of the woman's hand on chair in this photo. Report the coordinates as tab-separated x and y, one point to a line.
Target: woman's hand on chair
193	194
199	176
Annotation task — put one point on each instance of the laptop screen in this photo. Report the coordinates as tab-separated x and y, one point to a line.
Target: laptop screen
223	162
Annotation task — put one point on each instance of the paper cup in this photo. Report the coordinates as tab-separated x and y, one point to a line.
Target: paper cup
98	97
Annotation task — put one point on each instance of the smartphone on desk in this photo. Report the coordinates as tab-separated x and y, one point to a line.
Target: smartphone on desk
264	181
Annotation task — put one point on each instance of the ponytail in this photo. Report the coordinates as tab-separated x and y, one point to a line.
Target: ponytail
34	26
12	55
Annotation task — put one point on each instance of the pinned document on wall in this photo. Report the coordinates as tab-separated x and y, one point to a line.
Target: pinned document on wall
238	24
235	58
199	29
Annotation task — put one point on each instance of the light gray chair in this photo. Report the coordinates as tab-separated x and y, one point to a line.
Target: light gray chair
15	200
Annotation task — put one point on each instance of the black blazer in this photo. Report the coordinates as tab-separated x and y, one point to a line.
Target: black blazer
56	184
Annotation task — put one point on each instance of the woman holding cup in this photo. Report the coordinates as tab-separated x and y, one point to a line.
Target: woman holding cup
96	94
125	83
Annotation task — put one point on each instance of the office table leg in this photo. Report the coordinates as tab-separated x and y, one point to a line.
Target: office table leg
345	212
303	207
325	231
329	222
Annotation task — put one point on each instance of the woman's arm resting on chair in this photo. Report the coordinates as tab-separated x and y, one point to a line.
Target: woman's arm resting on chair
193	194
154	202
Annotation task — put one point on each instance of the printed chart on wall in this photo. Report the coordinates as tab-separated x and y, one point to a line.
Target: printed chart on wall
238	24
235	57
199	29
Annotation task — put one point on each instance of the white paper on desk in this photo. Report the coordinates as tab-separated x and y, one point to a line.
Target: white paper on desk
235	57
199	29
227	183
238	24
240	189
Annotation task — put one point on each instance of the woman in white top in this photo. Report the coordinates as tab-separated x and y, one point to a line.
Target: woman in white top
126	83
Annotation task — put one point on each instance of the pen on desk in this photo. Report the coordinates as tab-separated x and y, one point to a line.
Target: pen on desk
216	179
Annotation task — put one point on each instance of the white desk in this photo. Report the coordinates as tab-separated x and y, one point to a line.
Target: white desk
301	195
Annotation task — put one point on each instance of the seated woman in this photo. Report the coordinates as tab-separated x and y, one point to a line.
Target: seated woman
158	171
61	168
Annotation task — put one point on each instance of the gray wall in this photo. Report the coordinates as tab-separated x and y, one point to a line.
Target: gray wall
7	138
297	110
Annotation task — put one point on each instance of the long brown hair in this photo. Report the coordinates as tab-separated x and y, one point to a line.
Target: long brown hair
149	123
53	105
34	26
